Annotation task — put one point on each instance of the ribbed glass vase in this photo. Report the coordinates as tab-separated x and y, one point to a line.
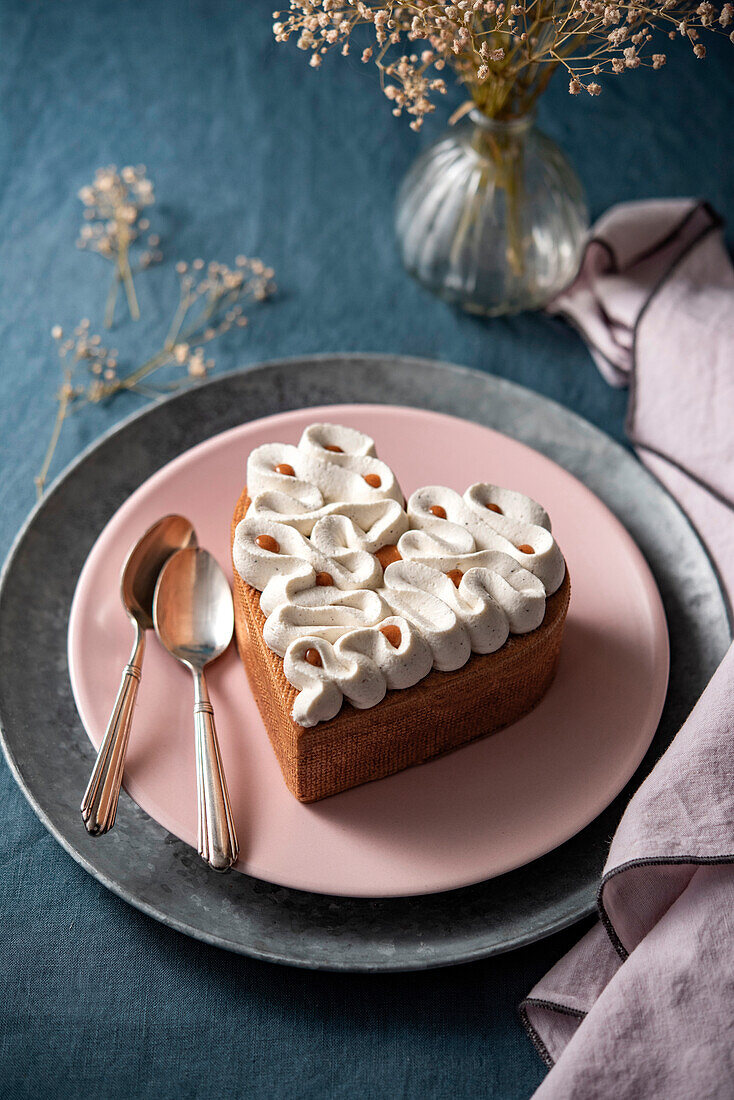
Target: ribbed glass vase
492	217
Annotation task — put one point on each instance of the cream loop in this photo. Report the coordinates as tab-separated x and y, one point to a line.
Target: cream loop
489	530
415	592
473	603
322	476
336	442
322	613
518	507
350	569
361	666
380	521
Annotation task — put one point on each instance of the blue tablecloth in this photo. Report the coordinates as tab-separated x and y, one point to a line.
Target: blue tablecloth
251	151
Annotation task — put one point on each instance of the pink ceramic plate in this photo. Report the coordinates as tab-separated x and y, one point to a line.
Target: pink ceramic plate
486	809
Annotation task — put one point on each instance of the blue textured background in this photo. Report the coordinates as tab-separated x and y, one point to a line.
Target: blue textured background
252	151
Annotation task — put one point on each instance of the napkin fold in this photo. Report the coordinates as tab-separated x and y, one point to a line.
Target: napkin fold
642	1006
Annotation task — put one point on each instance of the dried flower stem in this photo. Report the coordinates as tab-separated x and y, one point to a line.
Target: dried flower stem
64	397
123	262
109	312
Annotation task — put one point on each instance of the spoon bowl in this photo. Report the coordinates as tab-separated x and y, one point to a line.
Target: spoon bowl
146	560
194	615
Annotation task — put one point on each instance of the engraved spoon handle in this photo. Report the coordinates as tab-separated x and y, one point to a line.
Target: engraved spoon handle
99	804
217	838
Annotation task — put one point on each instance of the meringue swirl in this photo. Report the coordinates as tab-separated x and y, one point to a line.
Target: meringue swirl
474	569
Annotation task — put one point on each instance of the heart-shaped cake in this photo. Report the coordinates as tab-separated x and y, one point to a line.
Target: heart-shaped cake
378	634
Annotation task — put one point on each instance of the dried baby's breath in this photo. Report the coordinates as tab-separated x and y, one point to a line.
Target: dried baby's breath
113	206
504	52
212	299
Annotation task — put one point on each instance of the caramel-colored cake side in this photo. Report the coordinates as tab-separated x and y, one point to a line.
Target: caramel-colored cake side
440	713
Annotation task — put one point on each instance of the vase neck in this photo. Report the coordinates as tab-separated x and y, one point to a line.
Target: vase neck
514	127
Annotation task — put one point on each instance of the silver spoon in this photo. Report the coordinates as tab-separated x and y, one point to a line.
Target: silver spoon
137	587
194	619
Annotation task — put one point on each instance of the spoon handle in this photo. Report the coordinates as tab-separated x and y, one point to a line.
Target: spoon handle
99	804
217	838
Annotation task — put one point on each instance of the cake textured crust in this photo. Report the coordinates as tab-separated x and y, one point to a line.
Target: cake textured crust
442	712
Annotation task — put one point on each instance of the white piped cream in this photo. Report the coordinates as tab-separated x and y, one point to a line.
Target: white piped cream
340	506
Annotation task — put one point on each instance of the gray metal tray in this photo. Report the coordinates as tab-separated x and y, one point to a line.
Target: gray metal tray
50	756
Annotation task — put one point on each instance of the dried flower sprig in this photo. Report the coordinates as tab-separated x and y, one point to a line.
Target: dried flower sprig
504	51
212	299
113	205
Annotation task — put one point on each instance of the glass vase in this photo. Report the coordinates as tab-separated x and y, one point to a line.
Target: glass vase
492	217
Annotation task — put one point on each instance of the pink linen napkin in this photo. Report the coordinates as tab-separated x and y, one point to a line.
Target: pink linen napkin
643	1006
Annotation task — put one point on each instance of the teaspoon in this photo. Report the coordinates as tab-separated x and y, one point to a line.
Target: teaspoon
194	619
137	587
